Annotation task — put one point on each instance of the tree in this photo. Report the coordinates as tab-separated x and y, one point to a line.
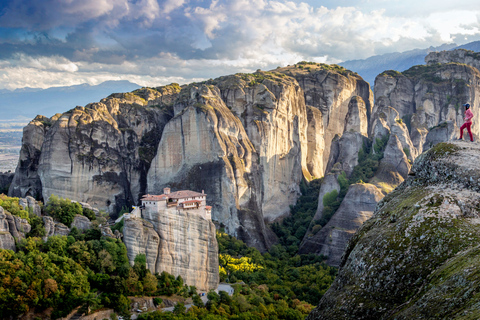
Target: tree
197	301
149	283
179	308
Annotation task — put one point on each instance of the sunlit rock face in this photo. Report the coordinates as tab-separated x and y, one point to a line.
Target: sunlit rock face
181	243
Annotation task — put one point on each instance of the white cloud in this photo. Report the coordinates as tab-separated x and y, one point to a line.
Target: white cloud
151	42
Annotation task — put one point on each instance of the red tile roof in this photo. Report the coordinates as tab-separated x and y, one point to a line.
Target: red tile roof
185	194
208	207
182	194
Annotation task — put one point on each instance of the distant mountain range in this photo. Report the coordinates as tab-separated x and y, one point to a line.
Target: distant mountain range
369	68
26	103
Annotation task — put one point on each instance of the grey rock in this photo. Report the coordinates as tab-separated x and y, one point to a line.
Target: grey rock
6	239
345	151
394	166
444	132
356	119
81	222
49	227
31	205
180	243
61	229
357	207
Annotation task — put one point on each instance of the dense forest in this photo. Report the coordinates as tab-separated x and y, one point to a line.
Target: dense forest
53	276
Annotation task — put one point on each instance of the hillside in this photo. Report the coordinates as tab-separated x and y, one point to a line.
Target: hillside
417	257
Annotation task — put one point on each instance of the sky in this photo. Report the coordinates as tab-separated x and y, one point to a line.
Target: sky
155	42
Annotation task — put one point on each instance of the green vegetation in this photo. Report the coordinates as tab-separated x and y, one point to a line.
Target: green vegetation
313	66
275	285
82	269
13	207
368	160
63	210
293	228
391	73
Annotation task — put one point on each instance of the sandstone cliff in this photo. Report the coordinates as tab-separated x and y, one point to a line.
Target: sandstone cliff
417	257
246	139
99	154
180	243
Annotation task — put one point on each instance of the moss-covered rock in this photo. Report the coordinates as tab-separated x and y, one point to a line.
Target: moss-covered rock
417	257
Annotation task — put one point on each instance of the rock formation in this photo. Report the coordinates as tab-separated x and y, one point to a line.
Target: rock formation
178	242
246	139
81	222
97	154
11	228
417	257
6	239
427	95
53	228
456	56
29	204
357	207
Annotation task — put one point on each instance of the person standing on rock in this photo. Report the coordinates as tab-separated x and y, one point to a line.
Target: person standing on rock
468	122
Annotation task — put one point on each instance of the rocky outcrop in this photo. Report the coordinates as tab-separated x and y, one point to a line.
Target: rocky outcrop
99	154
81	222
316	142
26	181
333	90
29	204
456	56
417	257
6	239
53	228
357	207
246	139
180	243
344	151
12	228
394	166
445	131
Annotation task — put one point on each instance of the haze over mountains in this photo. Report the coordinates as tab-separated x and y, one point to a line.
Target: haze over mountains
29	102
369	68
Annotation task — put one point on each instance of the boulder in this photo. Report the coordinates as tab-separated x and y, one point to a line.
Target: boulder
81	222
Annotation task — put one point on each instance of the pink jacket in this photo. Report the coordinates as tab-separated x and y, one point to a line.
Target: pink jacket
468	116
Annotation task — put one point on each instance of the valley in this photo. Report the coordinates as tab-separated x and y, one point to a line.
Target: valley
299	186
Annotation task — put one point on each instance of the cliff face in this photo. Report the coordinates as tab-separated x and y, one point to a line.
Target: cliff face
343	97
425	96
459	56
417	257
246	139
99	154
180	243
